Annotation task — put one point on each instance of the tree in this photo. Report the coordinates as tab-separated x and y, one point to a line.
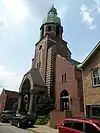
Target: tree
44	106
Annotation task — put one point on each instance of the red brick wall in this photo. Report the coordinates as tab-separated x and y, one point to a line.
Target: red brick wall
3	98
63	66
54	119
40	56
10	102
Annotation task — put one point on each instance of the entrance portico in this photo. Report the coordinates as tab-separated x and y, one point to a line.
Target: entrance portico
29	91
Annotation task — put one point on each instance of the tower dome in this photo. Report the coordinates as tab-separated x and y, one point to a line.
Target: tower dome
52	16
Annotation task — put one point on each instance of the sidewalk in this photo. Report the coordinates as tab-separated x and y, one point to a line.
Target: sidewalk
43	129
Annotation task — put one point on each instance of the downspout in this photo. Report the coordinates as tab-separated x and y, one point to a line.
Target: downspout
83	92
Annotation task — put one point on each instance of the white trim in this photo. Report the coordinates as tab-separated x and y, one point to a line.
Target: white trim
52	40
29	77
89	55
95	77
66	97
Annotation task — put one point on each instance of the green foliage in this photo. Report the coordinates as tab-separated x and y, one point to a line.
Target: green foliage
69	114
42	120
44	106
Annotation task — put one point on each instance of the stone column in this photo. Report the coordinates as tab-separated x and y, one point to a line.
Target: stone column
32	103
20	102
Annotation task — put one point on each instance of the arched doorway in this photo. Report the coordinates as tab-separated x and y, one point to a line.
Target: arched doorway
25	96
64	100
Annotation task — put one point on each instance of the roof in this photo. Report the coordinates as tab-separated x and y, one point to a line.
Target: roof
36	76
11	93
52	16
74	62
91	54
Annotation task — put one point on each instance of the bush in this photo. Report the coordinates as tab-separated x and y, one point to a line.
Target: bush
44	106
42	120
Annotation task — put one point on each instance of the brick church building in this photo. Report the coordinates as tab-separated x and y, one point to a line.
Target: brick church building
8	99
53	70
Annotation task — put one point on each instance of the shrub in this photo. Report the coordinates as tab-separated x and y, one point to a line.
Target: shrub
44	106
42	120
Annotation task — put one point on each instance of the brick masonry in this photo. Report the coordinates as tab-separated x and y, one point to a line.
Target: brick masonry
92	94
71	85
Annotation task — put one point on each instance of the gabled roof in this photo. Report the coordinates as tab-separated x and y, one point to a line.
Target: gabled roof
11	93
91	54
36	76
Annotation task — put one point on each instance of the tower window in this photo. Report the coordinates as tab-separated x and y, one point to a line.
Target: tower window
38	65
40	47
65	77
49	28
42	32
57	30
62	78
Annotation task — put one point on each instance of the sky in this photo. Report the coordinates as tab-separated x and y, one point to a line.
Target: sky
20	22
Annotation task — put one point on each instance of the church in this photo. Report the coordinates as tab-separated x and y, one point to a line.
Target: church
53	72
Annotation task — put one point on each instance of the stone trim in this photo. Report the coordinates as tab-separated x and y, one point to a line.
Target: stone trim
28	76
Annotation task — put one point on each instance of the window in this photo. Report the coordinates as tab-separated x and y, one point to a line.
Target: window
49	28
65	77
67	123
96	111
39	64
62	78
89	128
57	30
40	47
78	126
96	77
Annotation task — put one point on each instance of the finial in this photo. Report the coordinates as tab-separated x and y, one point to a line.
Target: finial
53	10
52	5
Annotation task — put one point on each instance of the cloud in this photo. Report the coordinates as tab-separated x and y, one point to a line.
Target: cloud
15	14
88	13
16	8
3	27
9	80
92	27
86	16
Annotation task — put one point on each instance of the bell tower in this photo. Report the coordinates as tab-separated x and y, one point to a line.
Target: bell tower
51	24
46	49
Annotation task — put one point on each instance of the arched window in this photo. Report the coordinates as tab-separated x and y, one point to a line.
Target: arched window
64	100
57	30
49	28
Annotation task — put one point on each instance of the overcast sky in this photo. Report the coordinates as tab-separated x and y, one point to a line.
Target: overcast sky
20	21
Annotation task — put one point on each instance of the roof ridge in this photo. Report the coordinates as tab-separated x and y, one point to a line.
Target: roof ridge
89	55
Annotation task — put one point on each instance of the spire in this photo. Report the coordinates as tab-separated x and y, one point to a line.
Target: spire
52	5
52	16
53	10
